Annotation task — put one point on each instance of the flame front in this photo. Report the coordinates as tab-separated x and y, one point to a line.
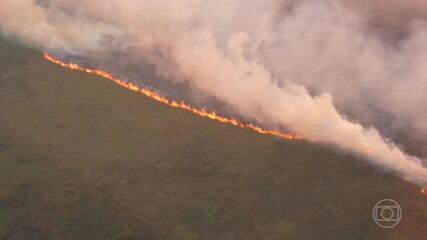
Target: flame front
171	103
175	104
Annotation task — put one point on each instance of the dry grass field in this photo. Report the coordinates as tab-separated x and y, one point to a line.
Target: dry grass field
81	158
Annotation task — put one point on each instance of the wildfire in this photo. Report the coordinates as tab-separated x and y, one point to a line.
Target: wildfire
171	103
175	104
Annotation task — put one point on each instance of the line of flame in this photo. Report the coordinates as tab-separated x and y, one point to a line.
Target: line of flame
171	103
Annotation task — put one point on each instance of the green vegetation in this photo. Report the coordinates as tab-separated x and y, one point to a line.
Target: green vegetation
81	158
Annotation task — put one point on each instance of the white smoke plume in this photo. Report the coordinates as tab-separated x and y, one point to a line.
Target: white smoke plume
329	70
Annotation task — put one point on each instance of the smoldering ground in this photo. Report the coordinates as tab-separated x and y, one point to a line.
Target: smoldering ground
349	74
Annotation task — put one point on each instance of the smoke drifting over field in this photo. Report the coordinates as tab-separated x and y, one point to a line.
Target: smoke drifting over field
329	70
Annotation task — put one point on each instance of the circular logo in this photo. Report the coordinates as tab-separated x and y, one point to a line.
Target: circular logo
387	213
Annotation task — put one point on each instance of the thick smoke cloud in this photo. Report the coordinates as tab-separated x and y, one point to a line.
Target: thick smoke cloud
330	70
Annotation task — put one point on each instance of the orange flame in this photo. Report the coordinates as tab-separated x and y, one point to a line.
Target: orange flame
424	191
171	103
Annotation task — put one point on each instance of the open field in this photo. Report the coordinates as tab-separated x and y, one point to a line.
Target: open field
81	158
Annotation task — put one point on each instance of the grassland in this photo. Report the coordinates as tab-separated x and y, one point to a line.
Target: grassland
81	158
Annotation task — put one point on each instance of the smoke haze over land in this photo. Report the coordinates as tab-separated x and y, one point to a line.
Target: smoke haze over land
329	70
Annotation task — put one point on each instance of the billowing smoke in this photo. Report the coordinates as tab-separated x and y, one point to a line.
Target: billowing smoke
330	70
